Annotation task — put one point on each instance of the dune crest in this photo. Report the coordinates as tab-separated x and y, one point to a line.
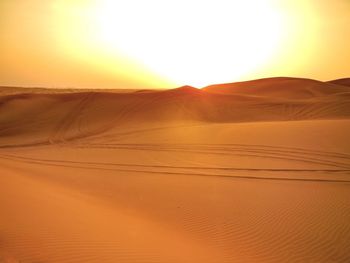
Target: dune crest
343	82
43	118
280	87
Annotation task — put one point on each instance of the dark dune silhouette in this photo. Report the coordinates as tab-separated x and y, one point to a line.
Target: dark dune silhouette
344	82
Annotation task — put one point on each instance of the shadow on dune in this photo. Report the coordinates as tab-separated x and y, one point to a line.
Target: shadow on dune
34	118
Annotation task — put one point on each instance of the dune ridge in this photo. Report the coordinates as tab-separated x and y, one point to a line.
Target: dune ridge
75	115
343	82
282	87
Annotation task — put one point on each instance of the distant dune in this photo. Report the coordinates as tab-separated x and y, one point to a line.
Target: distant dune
344	82
72	115
8	90
282	87
255	171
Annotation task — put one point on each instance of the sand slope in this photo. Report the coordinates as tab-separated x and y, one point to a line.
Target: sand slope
184	175
343	82
45	118
282	87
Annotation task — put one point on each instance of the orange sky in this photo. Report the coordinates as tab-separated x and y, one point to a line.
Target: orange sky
164	44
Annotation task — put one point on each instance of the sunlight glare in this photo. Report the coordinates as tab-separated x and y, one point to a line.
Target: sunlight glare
187	41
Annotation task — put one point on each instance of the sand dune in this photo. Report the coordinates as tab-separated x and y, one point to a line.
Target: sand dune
343	82
8	90
45	118
247	172
282	87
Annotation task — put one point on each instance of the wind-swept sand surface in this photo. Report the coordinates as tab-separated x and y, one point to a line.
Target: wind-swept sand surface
247	172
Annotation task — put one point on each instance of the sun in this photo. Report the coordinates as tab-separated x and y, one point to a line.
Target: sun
185	41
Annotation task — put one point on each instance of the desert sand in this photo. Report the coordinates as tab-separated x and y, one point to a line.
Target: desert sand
255	171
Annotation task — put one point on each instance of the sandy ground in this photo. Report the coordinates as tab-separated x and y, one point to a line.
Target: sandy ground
177	176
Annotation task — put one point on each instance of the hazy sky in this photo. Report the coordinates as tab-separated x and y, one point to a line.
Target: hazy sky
164	44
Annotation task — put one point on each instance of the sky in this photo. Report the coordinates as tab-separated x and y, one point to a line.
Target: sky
134	44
